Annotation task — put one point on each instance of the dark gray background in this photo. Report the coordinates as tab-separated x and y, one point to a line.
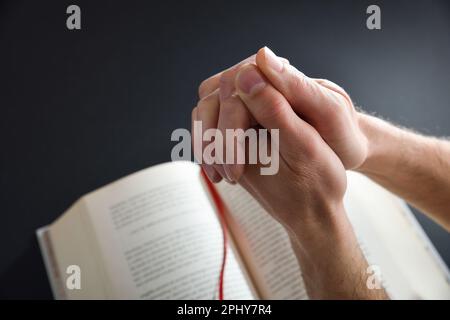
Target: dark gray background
79	109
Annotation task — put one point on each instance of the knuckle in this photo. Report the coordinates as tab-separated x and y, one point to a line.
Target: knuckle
332	109
209	99
226	76
201	111
204	88
208	109
299	83
347	98
344	97
313	149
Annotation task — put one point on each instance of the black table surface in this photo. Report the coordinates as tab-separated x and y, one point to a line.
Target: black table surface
79	109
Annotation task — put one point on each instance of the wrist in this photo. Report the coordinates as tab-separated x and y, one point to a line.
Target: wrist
378	134
330	259
319	224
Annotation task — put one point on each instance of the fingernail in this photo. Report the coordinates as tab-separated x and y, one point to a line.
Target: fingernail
250	80
229	172
273	61
211	173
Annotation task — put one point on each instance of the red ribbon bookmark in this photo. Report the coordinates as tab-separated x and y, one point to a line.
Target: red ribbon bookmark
221	210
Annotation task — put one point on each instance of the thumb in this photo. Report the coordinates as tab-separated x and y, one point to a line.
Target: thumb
270	108
309	99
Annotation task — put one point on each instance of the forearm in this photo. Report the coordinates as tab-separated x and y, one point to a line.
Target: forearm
332	263
415	167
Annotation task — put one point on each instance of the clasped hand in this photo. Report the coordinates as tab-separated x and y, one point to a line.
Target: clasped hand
319	134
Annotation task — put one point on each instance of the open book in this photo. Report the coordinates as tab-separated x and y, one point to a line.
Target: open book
156	234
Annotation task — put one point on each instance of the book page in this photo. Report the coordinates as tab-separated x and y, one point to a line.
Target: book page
158	237
389	236
69	243
394	242
264	244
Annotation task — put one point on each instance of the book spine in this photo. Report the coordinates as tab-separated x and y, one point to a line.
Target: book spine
51	266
